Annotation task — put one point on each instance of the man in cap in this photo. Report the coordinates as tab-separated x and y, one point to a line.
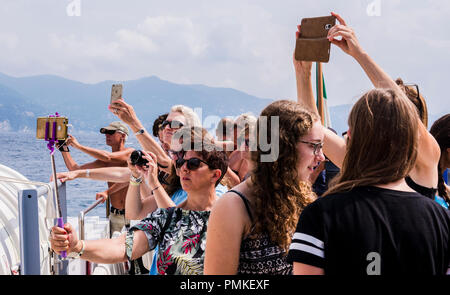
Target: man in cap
116	134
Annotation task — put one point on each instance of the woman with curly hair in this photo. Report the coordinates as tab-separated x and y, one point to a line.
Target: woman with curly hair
266	206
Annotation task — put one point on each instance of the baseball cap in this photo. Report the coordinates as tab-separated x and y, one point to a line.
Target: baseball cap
117	126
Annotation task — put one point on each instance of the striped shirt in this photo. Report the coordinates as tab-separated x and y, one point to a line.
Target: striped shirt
371	230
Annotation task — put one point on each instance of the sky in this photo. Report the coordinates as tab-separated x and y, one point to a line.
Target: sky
242	44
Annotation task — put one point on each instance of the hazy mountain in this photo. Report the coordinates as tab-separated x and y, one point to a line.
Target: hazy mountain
86	104
22	100
17	112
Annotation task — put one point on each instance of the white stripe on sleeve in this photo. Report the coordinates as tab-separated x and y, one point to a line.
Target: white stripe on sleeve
310	239
308	249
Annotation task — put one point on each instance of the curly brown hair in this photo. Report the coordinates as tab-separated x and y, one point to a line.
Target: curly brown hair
280	196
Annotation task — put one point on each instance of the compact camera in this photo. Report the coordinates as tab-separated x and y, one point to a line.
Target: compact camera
137	159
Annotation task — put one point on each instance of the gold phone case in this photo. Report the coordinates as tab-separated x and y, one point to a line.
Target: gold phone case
61	127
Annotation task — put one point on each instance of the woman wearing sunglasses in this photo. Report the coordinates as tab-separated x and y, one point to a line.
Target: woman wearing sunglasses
178	117
179	232
267	204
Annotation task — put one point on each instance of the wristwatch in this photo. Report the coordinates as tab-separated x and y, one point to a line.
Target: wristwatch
135	179
75	255
140	131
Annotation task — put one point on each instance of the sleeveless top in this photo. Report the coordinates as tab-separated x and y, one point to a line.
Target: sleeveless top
258	255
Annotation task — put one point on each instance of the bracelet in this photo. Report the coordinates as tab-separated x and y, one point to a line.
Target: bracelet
77	255
155	189
87	173
135	183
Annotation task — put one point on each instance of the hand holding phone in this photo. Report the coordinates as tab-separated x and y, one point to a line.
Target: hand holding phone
313	43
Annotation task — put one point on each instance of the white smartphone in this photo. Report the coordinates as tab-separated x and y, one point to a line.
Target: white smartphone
116	92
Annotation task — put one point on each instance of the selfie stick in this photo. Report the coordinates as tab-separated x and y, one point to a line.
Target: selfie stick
50	145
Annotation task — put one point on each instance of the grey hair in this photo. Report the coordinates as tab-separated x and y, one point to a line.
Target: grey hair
245	119
192	118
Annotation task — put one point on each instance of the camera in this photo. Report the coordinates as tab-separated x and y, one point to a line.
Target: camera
137	159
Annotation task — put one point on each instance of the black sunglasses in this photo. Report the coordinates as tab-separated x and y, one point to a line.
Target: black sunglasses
172	124
192	163
110	132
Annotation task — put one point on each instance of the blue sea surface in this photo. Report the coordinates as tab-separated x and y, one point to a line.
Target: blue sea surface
29	156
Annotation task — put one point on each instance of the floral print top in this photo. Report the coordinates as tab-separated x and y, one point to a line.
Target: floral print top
181	249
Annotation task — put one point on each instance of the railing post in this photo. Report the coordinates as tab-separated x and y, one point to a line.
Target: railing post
29	232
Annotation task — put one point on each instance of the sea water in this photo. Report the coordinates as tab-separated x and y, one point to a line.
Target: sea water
29	156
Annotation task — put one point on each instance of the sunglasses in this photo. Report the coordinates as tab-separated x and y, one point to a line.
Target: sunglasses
172	124
192	163
109	132
416	87
316	146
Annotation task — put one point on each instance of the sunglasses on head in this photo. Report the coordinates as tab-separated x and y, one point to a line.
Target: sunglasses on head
172	124
192	163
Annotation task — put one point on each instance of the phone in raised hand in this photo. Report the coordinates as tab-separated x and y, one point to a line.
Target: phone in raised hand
116	92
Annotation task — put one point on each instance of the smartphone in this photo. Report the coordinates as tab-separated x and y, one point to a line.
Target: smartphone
313	44
116	92
47	127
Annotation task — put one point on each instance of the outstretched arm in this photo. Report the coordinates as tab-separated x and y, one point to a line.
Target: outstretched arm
104	156
111	174
65	239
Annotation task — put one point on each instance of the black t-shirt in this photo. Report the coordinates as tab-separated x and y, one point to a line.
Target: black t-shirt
372	230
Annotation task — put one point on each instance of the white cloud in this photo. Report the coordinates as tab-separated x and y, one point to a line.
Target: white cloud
242	44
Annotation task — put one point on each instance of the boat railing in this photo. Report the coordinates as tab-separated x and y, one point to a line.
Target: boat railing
28	209
81	234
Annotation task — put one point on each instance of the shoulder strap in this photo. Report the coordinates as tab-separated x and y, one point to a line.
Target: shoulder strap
168	220
429	192
246	202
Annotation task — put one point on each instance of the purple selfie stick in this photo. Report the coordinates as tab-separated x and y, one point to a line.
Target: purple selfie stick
61	224
51	143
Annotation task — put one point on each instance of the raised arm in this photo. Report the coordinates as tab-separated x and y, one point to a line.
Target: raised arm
425	170
334	146
126	113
